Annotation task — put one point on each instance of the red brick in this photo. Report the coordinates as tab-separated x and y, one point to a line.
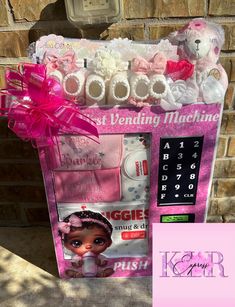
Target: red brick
159	8
224	188
15	43
9	212
214	219
138	9
230	218
229	97
229	29
35	215
3	128
180	8
222	7
2	74
228	123
3	13
232	76
222	206
221	147
17	149
131	31
16	172
157	31
231	147
22	193
226	62
66	29
224	169
29	10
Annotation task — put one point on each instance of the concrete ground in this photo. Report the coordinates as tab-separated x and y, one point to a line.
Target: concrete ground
28	277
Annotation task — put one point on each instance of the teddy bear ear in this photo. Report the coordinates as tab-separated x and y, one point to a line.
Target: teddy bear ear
177	37
217	34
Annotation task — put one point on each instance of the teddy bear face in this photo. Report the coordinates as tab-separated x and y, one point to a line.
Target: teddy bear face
196	44
199	39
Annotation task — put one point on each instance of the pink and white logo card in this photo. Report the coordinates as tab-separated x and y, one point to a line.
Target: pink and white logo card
193	265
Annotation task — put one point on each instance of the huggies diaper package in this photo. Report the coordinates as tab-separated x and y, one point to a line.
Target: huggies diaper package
129	221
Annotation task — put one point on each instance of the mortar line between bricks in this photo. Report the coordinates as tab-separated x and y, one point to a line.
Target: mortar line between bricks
224	198
9	61
19	161
21	184
227	54
223	179
24	204
173	20
17	26
228	111
10	13
226	158
28	25
26	226
206	6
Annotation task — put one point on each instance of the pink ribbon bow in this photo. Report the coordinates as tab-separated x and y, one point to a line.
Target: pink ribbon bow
65	63
156	65
39	112
74	221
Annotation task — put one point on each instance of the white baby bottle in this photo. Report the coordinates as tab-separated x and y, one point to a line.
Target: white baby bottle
89	268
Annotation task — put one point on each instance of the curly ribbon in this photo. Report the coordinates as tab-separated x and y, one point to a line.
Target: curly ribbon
38	111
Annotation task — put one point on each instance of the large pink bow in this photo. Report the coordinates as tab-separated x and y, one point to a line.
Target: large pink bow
74	221
156	65
38	112
65	63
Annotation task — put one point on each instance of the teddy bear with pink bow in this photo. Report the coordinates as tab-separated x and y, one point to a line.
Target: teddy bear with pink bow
200	42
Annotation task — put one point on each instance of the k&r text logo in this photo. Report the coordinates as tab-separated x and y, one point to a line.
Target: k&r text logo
192	264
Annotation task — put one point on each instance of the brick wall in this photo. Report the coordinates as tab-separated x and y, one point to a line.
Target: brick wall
21	22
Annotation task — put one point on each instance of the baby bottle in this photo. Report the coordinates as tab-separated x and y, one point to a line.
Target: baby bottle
89	268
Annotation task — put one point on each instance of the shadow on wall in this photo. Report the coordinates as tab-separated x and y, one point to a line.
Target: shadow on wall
53	20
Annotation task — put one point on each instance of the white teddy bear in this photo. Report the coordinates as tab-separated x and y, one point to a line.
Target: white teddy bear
200	43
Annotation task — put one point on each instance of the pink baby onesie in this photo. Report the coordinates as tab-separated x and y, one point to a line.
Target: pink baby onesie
88	186
81	153
87	171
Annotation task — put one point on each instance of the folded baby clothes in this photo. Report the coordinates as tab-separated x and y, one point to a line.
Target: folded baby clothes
135	169
81	153
87	186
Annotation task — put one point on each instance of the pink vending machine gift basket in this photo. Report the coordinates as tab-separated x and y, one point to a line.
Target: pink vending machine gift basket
126	134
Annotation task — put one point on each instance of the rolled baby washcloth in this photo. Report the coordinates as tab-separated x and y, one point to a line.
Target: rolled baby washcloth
135	168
